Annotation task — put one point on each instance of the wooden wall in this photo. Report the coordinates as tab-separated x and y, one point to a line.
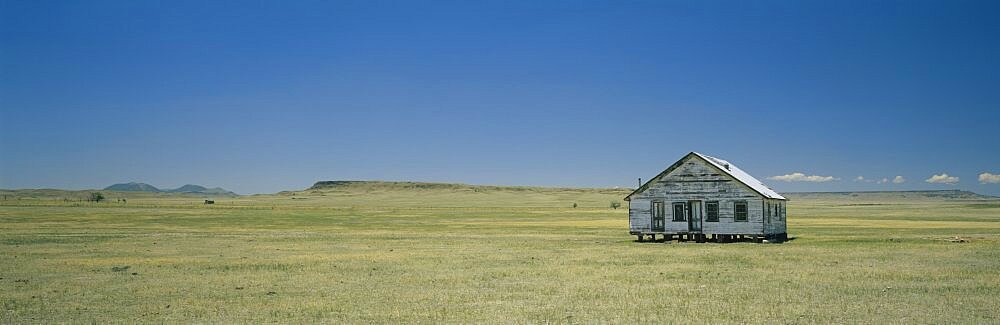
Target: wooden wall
775	218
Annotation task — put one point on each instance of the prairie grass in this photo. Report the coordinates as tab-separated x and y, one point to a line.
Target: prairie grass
423	256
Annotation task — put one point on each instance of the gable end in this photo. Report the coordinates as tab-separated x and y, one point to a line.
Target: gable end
713	165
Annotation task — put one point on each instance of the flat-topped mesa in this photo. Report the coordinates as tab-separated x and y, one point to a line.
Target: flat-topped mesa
333	184
326	185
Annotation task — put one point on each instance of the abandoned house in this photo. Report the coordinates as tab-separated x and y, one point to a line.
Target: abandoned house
701	196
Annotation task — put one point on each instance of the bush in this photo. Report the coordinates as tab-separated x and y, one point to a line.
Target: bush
96	197
615	204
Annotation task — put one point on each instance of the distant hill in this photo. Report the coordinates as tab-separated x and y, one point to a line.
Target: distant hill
942	194
443	195
132	187
189	188
425	194
421	194
390	186
356	186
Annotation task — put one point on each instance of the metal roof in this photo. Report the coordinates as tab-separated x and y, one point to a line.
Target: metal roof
742	176
725	167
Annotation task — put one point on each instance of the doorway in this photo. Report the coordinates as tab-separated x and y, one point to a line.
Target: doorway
694	216
658	221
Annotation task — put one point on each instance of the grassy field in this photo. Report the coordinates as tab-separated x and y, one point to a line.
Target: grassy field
484	254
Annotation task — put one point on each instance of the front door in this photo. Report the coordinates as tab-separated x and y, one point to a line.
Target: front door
694	216
658	221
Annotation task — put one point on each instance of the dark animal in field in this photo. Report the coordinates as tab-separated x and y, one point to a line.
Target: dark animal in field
209	202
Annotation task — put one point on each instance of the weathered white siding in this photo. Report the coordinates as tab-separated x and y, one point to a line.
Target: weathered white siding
727	221
640	214
774	220
694	179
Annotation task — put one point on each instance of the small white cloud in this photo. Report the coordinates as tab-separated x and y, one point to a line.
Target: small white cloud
882	181
862	179
900	180
987	178
800	177
942	179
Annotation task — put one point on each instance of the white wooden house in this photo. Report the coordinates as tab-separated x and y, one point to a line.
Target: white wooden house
701	195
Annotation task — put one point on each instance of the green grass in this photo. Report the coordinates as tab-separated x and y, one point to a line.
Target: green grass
457	256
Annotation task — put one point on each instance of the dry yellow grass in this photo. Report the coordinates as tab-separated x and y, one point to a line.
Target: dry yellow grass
275	259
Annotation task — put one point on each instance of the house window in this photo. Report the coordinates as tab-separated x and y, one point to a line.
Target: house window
712	211
768	213
740	211
679	212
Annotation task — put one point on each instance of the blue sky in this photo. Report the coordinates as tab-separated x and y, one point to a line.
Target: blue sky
265	96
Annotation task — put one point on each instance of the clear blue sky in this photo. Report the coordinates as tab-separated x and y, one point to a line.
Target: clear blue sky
262	96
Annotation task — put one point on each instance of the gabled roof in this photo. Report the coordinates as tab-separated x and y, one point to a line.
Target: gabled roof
723	166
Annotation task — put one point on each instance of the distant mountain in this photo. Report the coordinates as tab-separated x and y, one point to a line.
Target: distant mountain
132	187
189	188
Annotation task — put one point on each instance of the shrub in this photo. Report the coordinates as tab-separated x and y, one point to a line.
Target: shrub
96	197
